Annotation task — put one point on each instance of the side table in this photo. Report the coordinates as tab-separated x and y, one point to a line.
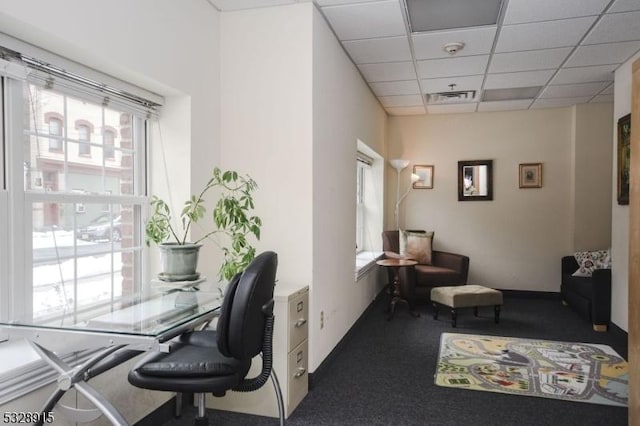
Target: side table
396	296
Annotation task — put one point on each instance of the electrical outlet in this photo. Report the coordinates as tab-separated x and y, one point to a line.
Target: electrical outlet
321	320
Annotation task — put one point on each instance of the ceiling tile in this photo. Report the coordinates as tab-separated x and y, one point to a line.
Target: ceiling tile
414	110
602	99
559	102
608	90
615	27
388	88
366	20
528	61
436	15
519	11
477	41
465	65
437	85
625	6
504	105
603	54
400	101
572	90
389	71
543	35
518	79
584	74
452	108
394	49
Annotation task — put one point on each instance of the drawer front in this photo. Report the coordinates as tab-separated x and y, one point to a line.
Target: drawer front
298	375
298	320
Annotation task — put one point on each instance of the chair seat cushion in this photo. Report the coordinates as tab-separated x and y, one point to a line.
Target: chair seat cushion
194	361
430	275
580	285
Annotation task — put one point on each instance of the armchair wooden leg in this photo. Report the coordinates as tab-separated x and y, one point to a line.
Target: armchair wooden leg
600	327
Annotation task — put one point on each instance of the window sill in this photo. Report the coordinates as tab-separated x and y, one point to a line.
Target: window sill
365	260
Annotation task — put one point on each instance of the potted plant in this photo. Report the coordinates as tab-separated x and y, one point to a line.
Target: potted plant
231	220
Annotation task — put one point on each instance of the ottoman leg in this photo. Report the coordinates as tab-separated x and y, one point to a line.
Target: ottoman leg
497	313
454	317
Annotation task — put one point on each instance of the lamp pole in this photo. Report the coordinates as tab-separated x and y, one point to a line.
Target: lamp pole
399	165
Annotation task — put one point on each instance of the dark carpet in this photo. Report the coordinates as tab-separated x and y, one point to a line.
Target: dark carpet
383	373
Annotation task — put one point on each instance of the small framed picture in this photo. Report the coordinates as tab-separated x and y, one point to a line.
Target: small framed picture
531	175
425	177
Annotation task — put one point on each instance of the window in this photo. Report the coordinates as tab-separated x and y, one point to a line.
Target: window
363	164
55	134
84	138
79	250
108	143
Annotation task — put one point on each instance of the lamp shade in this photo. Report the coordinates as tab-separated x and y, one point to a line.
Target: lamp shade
399	164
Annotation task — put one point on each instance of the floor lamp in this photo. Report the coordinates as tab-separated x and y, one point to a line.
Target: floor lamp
400	165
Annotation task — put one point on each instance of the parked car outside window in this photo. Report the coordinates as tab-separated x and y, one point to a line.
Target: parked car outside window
101	228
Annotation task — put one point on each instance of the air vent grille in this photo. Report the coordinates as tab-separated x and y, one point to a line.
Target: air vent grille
450	97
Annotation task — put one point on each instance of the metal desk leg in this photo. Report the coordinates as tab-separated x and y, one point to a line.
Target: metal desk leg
74	377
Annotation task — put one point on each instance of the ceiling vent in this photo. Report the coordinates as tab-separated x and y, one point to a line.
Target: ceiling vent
452	97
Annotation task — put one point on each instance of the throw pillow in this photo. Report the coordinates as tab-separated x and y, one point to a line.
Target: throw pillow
416	246
589	261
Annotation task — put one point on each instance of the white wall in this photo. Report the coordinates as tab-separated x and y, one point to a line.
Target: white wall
344	110
620	214
517	240
168	47
293	107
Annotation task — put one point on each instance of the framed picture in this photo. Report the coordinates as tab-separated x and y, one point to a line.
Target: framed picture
624	158
475	180
426	177
530	175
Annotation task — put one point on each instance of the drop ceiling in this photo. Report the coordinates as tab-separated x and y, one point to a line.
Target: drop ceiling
537	54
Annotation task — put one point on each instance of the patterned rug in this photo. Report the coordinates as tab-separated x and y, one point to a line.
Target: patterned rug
561	370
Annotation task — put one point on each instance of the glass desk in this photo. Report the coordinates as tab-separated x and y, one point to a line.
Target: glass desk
143	324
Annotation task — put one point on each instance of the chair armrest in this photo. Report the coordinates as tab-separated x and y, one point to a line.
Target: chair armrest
457	262
569	265
394	255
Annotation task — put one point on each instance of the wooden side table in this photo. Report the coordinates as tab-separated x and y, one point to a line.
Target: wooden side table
396	296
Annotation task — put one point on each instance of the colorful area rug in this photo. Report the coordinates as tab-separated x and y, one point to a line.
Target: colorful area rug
561	370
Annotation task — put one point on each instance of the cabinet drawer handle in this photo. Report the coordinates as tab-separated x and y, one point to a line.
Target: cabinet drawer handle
300	372
300	322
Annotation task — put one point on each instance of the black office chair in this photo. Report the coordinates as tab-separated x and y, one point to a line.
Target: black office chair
218	361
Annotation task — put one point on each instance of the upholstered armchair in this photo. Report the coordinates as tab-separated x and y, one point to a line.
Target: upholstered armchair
445	269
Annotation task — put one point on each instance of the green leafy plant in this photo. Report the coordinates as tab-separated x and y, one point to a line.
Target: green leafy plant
231	218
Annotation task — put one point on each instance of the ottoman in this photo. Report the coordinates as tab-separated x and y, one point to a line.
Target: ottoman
466	296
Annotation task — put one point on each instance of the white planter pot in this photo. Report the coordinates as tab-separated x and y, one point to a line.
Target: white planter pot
179	262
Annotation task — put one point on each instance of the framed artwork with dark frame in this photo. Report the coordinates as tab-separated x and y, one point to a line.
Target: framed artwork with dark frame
475	180
530	175
426	176
624	158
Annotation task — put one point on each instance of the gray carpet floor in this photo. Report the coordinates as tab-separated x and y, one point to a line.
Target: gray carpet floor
383	373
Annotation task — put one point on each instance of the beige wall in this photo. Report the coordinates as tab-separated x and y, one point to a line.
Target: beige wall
592	165
293	108
344	110
515	241
620	214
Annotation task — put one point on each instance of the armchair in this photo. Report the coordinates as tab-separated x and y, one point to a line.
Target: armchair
445	269
589	296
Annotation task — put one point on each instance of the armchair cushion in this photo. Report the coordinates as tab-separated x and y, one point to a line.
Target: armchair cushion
416	246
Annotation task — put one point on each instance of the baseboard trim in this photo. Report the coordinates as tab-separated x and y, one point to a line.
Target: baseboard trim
316	376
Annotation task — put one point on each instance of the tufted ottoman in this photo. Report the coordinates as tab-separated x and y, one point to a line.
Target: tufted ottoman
465	296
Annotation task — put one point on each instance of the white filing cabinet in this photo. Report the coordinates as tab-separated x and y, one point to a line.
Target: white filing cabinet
290	359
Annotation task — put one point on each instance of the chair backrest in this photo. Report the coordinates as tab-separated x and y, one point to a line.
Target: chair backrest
241	325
